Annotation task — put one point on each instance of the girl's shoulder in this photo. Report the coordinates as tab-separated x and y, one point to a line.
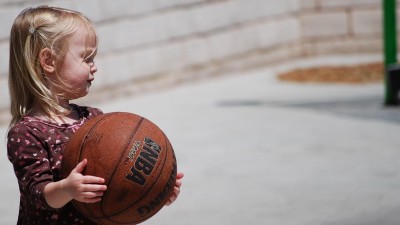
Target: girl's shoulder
27	126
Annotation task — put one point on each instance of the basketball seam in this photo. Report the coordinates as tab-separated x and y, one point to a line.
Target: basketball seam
158	177
80	151
120	158
86	137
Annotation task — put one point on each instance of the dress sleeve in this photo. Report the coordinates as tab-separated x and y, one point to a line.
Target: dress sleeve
28	153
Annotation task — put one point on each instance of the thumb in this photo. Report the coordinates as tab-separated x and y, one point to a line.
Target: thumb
79	168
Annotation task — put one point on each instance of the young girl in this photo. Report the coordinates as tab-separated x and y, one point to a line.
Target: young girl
51	62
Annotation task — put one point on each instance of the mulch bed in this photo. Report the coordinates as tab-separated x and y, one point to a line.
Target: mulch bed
356	74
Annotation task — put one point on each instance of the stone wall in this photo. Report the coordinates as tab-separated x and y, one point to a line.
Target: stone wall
175	40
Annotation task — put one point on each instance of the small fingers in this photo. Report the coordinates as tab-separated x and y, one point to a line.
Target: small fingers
94	188
90	200
90	196
177	190
93	180
178	183
174	196
79	168
179	175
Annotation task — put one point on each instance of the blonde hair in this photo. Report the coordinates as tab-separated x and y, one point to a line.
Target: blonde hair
33	30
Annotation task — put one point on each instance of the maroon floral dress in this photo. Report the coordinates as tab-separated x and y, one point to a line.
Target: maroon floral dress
35	148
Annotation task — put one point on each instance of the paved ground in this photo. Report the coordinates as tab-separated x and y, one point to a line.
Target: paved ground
258	151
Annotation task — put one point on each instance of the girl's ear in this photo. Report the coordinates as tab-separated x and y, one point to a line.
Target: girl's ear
47	61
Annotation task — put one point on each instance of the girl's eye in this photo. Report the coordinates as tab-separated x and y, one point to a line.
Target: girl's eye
89	60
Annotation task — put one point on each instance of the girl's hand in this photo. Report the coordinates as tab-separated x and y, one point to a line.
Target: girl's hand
177	188
88	189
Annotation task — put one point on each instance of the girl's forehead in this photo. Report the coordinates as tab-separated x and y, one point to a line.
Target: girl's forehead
84	36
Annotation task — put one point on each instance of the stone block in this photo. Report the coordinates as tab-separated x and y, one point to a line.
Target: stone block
343	46
315	25
244	39
90	8
308	4
175	3
7	17
368	21
195	51
178	23
279	31
220	45
232	42
117	68
170	56
4	58
212	16
347	3
248	10
127	33
4	94
124	8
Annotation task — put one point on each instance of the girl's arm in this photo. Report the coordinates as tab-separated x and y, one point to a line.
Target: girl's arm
88	189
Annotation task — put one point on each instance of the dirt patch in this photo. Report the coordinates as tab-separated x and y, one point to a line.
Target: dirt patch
364	73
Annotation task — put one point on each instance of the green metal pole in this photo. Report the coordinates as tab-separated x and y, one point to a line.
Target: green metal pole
390	43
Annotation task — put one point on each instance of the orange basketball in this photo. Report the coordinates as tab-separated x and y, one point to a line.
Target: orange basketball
136	160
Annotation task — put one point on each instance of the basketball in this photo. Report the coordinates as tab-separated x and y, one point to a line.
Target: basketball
135	158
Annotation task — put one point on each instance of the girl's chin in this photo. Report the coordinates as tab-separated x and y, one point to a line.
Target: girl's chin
80	93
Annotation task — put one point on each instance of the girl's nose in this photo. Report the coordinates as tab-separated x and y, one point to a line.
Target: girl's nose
93	68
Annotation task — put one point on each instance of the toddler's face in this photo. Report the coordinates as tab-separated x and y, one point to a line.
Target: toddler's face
78	68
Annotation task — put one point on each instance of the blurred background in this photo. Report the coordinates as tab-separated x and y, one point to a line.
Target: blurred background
256	147
175	40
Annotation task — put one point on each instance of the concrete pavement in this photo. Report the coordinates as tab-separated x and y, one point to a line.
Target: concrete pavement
257	151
